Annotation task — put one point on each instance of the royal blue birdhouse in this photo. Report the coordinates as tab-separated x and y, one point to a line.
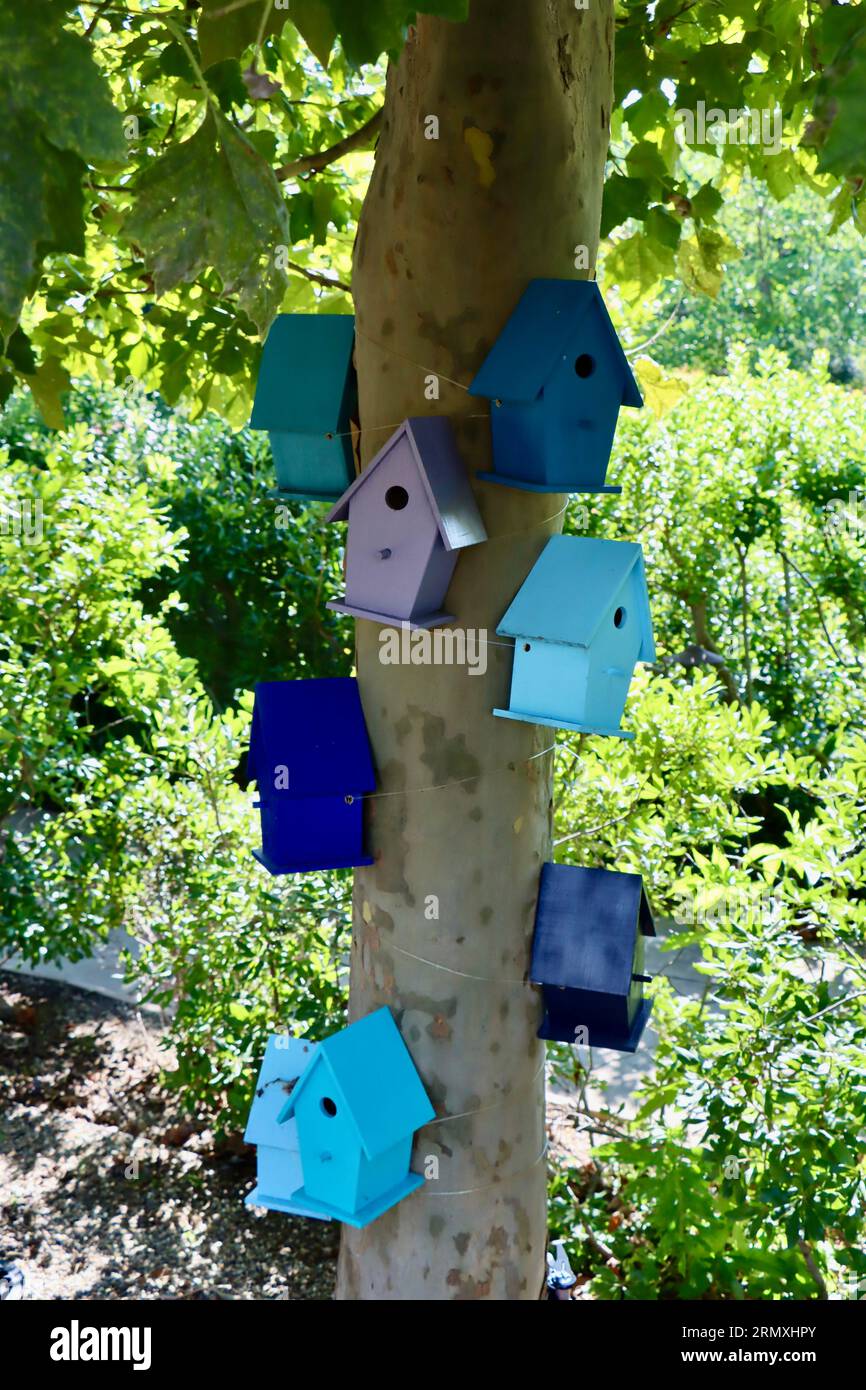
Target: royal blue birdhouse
588	956
556	377
410	512
580	621
310	758
357	1107
307	398
278	1156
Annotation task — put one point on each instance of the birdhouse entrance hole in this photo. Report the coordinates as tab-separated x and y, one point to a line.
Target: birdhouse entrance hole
396	498
619	617
584	365
328	1106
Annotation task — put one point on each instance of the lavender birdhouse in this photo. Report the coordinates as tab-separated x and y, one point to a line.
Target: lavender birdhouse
410	512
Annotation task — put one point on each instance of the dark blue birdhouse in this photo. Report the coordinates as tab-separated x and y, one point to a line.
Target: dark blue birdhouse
310	759
357	1107
588	956
307	398
580	620
410	513
556	377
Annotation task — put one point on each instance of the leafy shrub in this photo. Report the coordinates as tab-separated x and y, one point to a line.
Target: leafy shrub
118	804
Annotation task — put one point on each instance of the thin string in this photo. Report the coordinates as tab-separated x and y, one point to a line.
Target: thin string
458	782
465	1191
464	975
429	371
494	1105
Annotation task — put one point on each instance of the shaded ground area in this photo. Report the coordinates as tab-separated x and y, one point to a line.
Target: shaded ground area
105	1191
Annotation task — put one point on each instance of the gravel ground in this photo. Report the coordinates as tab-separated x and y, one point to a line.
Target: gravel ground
105	1191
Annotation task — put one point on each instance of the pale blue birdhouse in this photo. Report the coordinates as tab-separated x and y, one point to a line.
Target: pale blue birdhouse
307	398
580	621
556	378
278	1156
357	1107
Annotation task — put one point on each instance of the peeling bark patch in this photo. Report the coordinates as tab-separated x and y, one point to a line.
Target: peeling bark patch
391	262
462	1242
485	915
439	1028
481	148
449	759
387	327
467	1287
498	1240
563	60
437	1226
476	813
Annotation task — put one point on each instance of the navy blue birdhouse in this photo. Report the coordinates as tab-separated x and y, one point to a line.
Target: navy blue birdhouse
307	398
278	1153
580	621
410	513
556	377
588	956
357	1107
310	759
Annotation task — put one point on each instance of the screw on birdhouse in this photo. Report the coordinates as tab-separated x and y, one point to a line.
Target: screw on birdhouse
349	800
561	1278
385	554
643	979
325	1157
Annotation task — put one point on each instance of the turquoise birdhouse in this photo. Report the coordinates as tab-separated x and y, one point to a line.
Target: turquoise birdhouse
307	398
357	1107
278	1155
580	622
556	378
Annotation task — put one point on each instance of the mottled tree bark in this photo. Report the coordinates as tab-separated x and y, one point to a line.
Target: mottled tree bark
452	230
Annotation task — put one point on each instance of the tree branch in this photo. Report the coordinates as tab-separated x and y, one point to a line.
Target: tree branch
312	163
319	279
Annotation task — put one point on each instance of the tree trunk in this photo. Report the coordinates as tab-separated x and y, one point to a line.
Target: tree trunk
452	230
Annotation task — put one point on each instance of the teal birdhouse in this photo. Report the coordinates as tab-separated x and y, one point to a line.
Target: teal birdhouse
357	1107
556	378
278	1154
580	622
307	398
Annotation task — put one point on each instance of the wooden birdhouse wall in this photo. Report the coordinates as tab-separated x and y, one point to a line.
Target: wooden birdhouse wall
581	412
393	513
379	1174
327	826
549	678
518	431
613	653
330	1148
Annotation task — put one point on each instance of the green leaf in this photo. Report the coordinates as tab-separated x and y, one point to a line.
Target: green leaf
228	35
46	386
844	150
700	261
623	198
55	117
213	201
315	24
662	226
637	264
706	203
369	30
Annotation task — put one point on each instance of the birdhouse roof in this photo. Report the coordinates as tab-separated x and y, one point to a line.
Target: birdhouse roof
305	374
552	318
284	1060
586	926
315	729
369	1065
571	588
443	475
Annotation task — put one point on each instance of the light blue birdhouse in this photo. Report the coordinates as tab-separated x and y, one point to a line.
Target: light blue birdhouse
580	622
357	1107
306	398
556	378
278	1156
